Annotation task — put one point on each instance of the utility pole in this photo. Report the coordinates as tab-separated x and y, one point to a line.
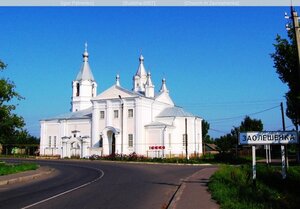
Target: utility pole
186	141
294	17
283	147
295	25
295	21
282	116
122	124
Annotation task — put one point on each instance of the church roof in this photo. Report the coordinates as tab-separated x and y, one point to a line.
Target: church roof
157	124
164	86
149	81
141	72
175	112
85	72
83	114
115	91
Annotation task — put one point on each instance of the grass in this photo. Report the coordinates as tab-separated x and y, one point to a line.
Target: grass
6	169
233	188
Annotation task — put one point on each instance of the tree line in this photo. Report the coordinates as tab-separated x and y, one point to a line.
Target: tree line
12	131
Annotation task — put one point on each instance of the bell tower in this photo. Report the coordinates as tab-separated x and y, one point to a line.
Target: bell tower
84	87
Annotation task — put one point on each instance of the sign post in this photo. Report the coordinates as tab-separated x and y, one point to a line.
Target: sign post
254	164
270	158
267	154
267	138
283	165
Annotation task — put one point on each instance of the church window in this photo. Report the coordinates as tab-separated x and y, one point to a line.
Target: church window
130	140
116	113
77	89
102	115
49	142
130	113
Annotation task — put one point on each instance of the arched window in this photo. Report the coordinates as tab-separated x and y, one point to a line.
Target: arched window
77	89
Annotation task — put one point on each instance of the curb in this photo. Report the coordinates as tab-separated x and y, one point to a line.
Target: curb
25	176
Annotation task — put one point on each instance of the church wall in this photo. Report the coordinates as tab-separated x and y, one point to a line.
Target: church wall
143	117
194	136
50	140
84	128
129	125
154	139
53	131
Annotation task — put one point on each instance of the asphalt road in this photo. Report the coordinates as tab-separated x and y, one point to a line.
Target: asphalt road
94	184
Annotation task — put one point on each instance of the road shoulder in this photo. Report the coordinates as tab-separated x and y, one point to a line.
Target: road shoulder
193	192
25	176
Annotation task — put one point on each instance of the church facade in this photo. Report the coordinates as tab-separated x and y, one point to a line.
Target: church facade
121	121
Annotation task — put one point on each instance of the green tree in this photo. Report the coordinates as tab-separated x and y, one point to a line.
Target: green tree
205	127
286	63
229	141
226	143
249	124
23	137
10	123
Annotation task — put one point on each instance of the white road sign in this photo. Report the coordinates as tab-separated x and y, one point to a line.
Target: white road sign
268	137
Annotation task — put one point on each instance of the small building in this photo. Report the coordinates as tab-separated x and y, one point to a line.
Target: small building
210	149
121	121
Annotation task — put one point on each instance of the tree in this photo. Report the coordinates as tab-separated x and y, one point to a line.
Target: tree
10	123
24	138
286	63
251	125
205	127
226	143
229	141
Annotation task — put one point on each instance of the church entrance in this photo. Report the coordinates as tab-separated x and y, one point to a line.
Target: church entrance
113	144
111	137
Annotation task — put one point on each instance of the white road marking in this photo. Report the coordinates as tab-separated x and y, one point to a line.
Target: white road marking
70	190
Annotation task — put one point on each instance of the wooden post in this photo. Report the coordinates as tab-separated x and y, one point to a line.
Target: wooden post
283	147
186	141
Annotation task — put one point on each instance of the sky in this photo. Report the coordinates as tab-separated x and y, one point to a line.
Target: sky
216	60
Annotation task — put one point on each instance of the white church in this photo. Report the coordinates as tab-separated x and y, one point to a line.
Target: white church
121	121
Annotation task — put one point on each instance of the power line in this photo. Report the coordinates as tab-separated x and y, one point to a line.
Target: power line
254	102
216	130
241	116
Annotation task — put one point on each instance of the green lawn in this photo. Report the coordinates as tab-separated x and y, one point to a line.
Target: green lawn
232	187
6	169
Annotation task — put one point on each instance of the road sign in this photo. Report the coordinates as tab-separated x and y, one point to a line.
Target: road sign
268	137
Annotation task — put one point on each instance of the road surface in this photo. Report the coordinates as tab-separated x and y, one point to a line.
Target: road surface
95	184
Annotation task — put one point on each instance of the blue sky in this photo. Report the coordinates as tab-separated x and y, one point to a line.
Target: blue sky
216	60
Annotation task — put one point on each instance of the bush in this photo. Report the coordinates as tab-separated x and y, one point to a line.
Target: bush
141	158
